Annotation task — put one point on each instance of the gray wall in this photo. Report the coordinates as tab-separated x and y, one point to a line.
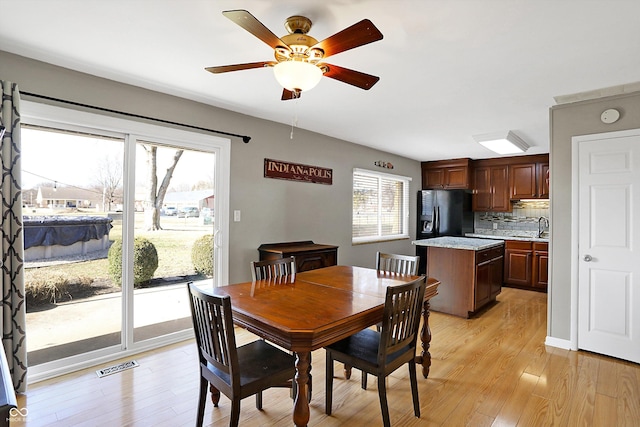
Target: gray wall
272	210
580	118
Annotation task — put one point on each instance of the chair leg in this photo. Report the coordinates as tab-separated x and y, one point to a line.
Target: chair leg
364	380
328	384
202	401
384	407
215	395
414	388
347	371
259	401
234	419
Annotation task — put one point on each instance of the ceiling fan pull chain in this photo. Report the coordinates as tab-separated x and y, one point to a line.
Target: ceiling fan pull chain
294	120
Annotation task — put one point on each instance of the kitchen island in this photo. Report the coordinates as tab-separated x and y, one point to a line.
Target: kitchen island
470	272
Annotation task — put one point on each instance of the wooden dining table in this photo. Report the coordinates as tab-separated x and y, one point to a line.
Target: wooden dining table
318	308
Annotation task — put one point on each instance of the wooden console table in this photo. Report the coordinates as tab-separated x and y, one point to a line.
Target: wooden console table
309	255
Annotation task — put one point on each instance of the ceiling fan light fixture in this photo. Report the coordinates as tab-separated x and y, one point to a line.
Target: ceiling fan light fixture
297	75
502	142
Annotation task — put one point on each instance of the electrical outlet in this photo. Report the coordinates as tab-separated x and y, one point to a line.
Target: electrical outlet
495	225
236	216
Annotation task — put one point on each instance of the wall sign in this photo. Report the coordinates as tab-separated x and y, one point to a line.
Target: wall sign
296	172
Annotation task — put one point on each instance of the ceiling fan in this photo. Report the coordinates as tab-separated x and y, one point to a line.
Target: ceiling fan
299	58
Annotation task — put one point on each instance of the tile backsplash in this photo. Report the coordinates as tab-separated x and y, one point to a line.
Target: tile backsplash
524	218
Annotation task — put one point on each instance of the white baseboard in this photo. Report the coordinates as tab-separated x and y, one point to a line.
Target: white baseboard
560	343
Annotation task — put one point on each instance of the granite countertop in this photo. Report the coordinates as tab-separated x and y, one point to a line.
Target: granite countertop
472	244
522	237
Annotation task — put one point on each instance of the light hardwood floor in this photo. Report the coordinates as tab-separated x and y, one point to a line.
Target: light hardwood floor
492	370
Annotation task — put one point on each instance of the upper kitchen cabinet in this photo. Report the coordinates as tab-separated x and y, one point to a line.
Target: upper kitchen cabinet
543	179
529	177
490	187
446	174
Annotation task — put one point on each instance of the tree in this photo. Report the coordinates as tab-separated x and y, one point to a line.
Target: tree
202	185
156	194
109	180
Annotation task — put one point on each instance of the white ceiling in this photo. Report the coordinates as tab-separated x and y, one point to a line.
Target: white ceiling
449	69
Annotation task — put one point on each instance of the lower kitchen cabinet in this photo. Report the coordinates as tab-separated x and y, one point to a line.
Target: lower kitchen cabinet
518	262
540	268
526	264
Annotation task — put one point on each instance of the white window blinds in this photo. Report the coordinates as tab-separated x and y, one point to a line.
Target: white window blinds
380	206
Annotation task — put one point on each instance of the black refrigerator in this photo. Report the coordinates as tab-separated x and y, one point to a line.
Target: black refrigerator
442	213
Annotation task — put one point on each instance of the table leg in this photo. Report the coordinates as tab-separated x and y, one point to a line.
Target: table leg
425	337
301	406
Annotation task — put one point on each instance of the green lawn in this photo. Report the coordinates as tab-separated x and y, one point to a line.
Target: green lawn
173	245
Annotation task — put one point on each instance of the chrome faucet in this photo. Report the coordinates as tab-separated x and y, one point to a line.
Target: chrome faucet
543	223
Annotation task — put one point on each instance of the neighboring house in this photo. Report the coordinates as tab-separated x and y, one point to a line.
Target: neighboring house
180	199
69	197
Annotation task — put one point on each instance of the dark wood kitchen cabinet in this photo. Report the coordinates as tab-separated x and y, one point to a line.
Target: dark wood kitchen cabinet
522	181
543	179
530	180
446	174
489	267
309	255
491	189
526	264
540	278
518	263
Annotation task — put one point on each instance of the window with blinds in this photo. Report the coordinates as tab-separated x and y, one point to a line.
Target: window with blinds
380	206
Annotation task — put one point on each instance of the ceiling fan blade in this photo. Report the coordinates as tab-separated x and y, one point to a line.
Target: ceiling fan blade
249	22
364	32
289	94
355	78
238	67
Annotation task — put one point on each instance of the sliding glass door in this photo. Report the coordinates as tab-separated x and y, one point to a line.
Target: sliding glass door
175	215
119	216
72	211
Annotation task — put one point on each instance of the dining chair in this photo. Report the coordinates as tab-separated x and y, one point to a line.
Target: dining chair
381	352
401	264
274	272
394	263
237	372
390	263
274	269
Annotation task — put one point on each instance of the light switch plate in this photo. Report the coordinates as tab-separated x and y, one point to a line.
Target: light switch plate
236	216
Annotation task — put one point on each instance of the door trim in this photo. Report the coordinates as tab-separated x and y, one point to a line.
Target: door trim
575	210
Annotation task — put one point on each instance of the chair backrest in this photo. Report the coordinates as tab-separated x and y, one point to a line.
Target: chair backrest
213	327
402	309
401	264
283	269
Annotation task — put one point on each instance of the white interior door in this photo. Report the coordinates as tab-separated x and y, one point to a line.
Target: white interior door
609	236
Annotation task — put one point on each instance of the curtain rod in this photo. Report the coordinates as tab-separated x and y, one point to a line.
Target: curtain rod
245	138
